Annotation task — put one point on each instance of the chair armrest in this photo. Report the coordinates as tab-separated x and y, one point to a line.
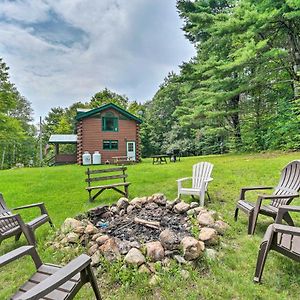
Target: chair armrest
253	188
40	205
57	279
260	198
269	197
183	179
208	180
18	253
284	209
29	206
280	228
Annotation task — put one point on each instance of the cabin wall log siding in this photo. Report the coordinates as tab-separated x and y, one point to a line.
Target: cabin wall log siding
91	136
79	142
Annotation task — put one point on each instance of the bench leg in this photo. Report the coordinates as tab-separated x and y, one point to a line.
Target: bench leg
92	198
119	191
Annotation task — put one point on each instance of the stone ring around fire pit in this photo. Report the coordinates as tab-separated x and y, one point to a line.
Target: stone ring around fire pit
148	228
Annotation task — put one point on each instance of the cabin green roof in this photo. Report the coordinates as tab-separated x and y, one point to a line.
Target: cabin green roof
82	115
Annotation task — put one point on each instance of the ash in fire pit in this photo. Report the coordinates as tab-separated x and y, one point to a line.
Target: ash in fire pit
142	220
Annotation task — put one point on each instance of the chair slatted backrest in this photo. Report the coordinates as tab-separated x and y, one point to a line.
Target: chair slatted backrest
289	242
92	175
6	225
201	171
289	183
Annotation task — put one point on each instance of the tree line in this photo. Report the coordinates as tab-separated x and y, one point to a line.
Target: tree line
18	143
240	92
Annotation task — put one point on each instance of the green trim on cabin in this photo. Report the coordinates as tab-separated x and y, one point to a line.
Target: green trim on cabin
115	124
82	115
110	144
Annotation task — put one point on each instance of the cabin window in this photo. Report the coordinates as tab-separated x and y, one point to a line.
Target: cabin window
110	122
110	145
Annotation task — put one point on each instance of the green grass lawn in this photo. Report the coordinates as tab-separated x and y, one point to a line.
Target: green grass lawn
228	277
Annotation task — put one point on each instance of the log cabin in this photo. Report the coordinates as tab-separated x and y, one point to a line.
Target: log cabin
108	129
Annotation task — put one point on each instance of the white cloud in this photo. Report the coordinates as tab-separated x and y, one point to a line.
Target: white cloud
66	50
26	11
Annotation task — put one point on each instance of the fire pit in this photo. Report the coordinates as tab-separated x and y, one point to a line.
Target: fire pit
144	229
142	220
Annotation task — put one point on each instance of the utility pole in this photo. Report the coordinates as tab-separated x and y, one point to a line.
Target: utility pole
40	142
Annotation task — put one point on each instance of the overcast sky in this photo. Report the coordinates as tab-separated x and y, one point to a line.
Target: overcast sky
63	51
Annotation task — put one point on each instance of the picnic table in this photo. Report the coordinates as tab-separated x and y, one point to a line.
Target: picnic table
159	159
122	160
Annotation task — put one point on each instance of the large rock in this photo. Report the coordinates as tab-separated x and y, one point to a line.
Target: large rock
151	206
92	249
213	213
200	210
221	226
170	205
144	269
155	251
169	239
180	259
194	204
96	258
70	224
181	207
192	248
72	238
159	199
209	236
110	250
124	246
137	202
191	212
102	239
122	203
79	229
134	257
129	208
205	219
90	229
95	236
114	209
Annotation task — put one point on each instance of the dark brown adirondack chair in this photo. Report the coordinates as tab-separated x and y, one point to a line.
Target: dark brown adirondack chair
13	225
281	238
283	194
53	282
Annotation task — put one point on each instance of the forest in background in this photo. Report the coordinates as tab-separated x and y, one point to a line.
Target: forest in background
240	93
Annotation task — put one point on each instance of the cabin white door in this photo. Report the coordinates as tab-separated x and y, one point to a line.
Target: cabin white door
131	150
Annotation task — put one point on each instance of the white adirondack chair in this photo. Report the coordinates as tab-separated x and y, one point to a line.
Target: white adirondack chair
201	178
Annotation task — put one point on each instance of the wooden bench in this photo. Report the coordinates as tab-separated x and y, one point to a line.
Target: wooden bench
92	176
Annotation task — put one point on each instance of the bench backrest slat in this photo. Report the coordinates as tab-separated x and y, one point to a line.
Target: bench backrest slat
105	170
105	178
